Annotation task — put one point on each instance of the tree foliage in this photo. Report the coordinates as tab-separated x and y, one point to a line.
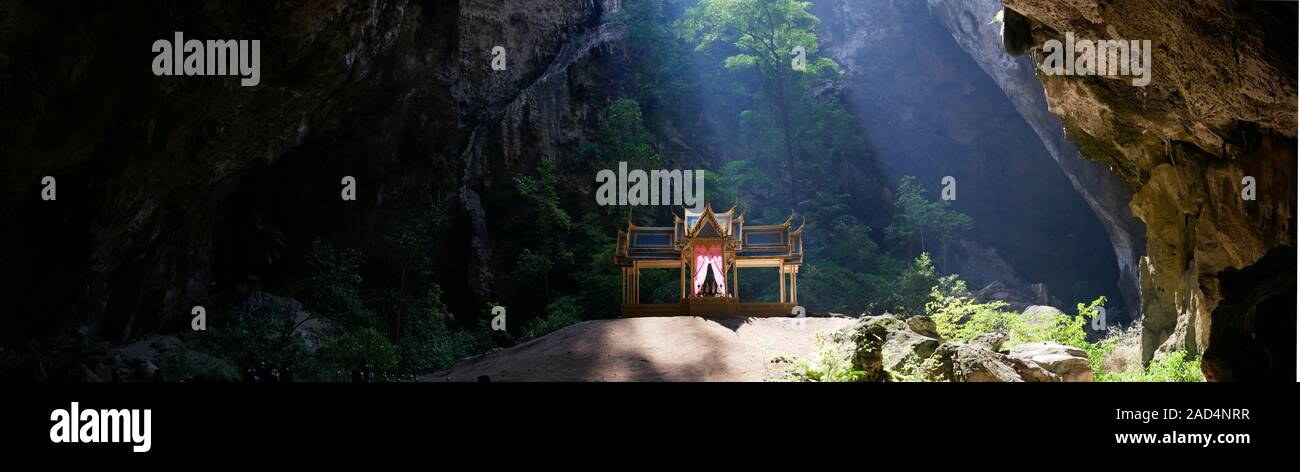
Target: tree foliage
766	37
918	219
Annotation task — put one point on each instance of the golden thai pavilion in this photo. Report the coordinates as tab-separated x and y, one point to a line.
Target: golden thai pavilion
708	249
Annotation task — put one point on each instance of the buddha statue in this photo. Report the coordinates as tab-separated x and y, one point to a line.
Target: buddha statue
710	286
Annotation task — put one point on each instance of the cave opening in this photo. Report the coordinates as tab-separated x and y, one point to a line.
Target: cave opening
928	110
1252	330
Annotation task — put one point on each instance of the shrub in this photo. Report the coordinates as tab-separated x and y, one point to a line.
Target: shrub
333	286
562	312
911	290
188	365
1170	367
1060	328
959	317
348	350
831	363
430	346
264	335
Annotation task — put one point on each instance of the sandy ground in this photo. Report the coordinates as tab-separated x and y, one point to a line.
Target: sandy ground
652	349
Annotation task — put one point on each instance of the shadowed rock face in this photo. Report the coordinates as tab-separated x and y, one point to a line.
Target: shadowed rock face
1252	327
975	26
918	79
166	184
1221	105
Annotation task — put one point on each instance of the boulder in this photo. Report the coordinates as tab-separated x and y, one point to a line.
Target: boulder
990	341
884	344
923	326
1068	362
1040	314
1017	295
151	350
905	348
957	362
887	343
867	338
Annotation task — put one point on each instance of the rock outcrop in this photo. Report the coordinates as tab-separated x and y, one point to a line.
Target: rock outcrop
977	27
957	362
1220	107
1067	362
177	191
889	348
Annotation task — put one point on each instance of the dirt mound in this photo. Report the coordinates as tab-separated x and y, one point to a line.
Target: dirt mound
653	349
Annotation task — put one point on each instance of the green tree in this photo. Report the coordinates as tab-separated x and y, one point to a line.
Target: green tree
624	137
550	227
661	70
911	289
763	35
917	219
333	286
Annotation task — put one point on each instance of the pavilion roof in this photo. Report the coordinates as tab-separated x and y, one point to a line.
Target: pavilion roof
667	242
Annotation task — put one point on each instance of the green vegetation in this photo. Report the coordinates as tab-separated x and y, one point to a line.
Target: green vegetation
265	335
1171	367
830	364
722	75
960	318
188	365
395	324
916	217
763	36
560	313
712	84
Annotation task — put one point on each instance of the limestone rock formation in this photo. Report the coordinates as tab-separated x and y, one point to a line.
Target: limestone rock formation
1017	299
957	362
1220	106
166	184
1069	363
888	348
990	341
866	340
980	28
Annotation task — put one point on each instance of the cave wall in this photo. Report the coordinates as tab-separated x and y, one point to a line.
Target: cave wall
975	27
158	175
1221	105
930	109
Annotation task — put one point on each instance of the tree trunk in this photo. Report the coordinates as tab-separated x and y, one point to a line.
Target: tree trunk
793	189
